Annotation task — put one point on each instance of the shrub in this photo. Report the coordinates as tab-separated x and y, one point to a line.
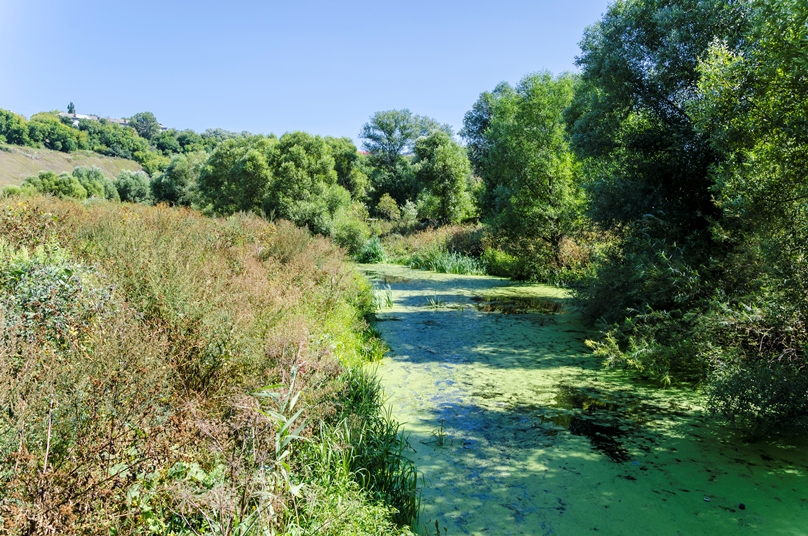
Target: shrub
133	186
371	252
352	234
130	390
500	263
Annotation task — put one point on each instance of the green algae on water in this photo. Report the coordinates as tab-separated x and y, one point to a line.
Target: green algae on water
517	429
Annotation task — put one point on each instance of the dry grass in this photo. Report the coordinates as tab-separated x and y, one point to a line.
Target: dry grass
133	405
17	162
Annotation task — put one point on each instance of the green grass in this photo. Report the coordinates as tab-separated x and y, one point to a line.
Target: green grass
441	260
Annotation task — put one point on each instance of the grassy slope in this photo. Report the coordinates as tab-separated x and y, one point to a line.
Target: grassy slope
17	162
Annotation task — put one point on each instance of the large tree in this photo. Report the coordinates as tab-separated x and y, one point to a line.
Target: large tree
347	165
648	166
304	182
177	185
518	145
237	174
441	165
753	104
390	137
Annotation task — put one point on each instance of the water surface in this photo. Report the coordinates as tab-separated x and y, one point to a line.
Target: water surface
517	429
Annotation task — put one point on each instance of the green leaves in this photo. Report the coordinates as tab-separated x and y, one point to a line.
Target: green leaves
519	148
287	424
442	167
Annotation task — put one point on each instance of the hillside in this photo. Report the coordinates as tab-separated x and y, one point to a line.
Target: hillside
18	162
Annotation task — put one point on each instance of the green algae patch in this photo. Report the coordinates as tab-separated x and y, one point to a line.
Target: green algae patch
517	429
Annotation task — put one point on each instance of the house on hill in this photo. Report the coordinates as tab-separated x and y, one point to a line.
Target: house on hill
123	122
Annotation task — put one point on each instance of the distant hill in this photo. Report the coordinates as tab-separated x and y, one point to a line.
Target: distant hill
18	162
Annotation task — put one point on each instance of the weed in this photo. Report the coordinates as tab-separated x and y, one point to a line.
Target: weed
440	434
382	297
435	302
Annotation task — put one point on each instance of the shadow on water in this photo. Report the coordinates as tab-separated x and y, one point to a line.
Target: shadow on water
603	423
517	305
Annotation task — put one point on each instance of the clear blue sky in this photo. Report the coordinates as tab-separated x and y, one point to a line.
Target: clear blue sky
319	66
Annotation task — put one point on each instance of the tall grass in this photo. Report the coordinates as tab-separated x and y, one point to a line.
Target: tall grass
441	260
166	373
448	249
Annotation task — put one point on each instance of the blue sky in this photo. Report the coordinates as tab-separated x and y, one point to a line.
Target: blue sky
319	66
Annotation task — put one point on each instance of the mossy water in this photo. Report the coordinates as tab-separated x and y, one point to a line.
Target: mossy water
517	429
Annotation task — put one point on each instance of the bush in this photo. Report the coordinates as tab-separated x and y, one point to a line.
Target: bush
169	369
62	185
371	252
133	187
499	263
758	368
352	234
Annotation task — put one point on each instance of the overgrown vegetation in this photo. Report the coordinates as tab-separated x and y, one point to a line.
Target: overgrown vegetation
697	168
665	183
167	373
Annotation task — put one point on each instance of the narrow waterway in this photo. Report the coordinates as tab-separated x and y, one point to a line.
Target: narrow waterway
517	429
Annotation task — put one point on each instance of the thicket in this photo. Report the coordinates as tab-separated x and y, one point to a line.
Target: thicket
695	151
163	372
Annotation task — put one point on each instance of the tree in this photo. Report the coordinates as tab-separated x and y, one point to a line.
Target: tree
112	139
62	185
46	130
648	167
190	141
177	185
237	174
13	128
753	106
304	188
388	136
71	108
346	163
442	166
96	184
476	123
167	143
629	118
145	124
517	137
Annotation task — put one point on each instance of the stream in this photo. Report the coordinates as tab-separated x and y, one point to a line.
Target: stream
517	429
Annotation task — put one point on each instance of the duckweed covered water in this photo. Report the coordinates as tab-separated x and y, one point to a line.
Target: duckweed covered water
518	430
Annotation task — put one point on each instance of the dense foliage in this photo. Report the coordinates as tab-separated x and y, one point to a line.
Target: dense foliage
531	197
695	146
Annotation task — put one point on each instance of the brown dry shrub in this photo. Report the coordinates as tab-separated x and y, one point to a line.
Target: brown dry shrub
81	425
206	311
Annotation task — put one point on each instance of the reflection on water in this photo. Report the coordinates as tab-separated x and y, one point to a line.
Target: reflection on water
601	422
